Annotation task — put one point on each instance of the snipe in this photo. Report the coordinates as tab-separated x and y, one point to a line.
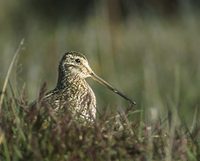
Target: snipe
72	91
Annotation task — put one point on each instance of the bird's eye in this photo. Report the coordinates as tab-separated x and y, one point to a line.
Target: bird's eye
77	60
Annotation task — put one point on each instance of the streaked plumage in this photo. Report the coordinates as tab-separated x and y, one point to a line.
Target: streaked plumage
72	91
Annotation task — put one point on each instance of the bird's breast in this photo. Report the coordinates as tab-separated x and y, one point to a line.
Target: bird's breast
82	100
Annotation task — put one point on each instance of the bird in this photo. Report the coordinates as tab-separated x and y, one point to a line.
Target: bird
72	90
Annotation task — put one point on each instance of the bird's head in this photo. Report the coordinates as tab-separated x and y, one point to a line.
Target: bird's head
76	64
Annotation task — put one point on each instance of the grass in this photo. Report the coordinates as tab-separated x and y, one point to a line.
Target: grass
9	72
25	135
154	60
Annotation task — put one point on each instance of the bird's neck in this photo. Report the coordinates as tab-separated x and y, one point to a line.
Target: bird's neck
68	79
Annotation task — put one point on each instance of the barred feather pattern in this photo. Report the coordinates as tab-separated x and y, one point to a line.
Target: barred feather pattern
74	93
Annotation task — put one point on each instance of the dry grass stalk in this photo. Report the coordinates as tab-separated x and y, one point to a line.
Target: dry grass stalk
17	52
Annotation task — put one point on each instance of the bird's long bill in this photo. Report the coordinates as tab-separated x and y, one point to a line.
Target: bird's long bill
103	82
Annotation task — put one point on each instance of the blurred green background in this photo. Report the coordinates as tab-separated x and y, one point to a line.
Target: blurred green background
149	49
